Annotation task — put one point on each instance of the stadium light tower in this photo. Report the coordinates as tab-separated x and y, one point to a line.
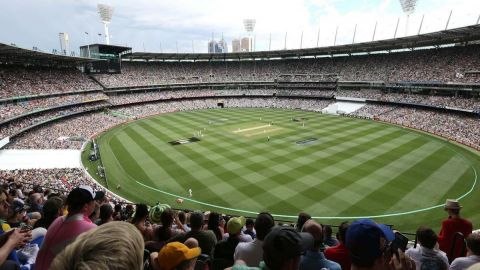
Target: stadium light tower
249	25
106	13
408	7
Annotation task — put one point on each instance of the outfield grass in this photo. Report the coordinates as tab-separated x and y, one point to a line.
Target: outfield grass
244	164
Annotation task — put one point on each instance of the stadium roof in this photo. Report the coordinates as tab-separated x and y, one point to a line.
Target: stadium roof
450	36
15	55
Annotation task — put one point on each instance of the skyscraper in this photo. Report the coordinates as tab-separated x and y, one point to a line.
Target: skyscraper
236	45
64	43
246	44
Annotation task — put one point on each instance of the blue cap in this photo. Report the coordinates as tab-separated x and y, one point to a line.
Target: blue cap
363	238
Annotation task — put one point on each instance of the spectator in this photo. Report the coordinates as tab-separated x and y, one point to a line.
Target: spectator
224	250
252	252
425	255
329	240
116	245
214	225
139	220
302	218
64	230
249	228
106	214
206	239
11	239
178	256
453	224
313	259
473	253
368	245
339	253
52	209
282	249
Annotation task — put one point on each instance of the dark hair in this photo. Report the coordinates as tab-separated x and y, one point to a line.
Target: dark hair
50	212
213	224
249	222
106	212
263	224
342	231
140	213
181	217
426	237
473	243
302	218
196	220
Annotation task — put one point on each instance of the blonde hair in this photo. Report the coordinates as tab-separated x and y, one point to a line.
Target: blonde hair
116	245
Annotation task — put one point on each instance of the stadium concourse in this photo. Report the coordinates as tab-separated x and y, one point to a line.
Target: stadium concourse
50	109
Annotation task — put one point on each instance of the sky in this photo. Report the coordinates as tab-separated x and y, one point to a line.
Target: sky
187	25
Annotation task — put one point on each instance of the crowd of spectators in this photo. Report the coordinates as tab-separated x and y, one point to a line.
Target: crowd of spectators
18	81
69	133
456	64
431	100
61	220
456	127
10	110
14	127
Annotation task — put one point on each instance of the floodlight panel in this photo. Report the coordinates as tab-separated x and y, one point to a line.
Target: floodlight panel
408	6
105	11
249	24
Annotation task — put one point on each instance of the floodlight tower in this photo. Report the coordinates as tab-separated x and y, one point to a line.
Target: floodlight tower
106	13
408	7
249	25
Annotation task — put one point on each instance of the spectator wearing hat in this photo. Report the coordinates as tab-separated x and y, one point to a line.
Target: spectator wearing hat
252	252
224	250
339	253
12	239
313	259
473	253
64	230
206	238
282	249
18	214
176	256
369	246
450	226
425	255
115	245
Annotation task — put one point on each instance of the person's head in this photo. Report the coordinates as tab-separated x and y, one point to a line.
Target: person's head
52	209
106	213
452	207
235	225
263	223
368	244
18	210
178	256
36	199
315	229
342	231
182	217
196	220
167	217
473	243
161	213
81	200
141	213
213	221
115	245
327	231
426	237
302	218
283	246
4	205
249	224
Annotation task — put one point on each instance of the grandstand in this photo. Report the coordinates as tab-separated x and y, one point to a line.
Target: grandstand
425	86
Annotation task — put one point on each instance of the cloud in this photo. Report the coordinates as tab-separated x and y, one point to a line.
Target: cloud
154	24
